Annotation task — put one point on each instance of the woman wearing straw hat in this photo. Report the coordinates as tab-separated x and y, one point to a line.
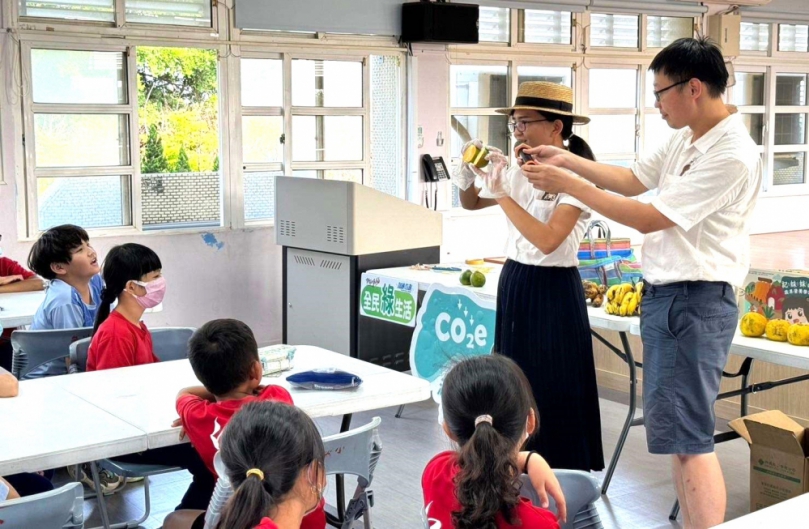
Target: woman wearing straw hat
542	321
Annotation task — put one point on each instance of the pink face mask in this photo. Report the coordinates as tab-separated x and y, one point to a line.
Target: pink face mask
155	292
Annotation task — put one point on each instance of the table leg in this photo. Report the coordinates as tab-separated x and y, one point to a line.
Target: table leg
100	501
399	411
630	421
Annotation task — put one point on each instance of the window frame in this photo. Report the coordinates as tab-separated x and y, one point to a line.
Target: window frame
119	25
29	199
287	166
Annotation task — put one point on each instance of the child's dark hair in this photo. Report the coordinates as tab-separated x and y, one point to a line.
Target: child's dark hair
489	481
55	246
124	263
222	353
575	143
795	302
689	58
278	439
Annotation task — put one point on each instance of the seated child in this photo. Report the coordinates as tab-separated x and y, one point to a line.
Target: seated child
224	356
275	461
13	278
489	411
133	275
63	256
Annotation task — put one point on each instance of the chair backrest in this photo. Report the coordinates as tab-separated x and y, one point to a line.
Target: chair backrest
78	354
354	452
221	493
581	491
55	509
169	343
35	348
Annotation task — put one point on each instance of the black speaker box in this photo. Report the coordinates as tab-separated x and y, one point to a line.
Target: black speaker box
440	22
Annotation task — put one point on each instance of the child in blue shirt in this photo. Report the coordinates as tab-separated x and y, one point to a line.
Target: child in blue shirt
63	256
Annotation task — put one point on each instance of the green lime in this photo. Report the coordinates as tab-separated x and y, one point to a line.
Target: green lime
478	279
466	277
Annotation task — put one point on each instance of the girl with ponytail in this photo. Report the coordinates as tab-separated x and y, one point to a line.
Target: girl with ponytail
133	277
542	321
489	411
274	458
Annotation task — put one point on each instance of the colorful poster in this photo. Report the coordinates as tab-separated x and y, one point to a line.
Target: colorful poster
452	324
388	299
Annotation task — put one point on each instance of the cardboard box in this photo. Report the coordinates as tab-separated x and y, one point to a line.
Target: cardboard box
779	466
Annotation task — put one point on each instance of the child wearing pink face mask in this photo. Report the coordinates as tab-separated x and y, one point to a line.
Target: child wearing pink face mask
133	275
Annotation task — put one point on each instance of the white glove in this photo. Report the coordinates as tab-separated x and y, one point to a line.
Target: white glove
464	176
495	180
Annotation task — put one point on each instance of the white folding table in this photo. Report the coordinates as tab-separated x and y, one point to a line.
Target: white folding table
46	427
790	514
18	309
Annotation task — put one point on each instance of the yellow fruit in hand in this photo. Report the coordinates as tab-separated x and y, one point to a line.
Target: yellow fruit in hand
776	330
798	334
753	324
477	279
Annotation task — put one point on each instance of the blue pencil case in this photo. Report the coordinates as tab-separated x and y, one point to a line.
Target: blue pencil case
327	378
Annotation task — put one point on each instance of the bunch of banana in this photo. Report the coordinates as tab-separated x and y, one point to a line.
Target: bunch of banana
593	292
624	299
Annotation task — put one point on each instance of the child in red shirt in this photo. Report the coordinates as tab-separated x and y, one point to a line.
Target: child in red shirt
489	411
275	457
224	356
133	275
13	278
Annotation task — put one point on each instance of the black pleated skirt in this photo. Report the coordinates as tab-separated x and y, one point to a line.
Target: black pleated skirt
542	325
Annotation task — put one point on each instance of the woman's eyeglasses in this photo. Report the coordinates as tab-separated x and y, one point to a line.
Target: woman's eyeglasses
521	125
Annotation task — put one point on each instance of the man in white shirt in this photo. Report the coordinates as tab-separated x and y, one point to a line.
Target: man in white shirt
695	252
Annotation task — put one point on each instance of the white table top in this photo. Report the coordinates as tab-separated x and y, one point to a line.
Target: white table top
45	427
790	514
780	353
598	317
144	396
18	309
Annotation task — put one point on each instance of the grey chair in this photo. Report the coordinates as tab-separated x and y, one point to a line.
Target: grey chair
33	349
55	509
581	491
355	452
170	343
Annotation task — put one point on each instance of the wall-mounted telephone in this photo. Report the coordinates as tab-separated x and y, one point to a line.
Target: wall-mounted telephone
434	168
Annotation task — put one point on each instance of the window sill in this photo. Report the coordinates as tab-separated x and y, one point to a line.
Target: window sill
130	232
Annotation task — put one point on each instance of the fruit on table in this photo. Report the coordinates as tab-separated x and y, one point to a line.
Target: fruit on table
776	330
478	279
595	293
466	277
475	262
753	324
798	334
624	299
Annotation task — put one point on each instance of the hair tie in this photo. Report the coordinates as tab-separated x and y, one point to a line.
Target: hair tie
483	418
255	472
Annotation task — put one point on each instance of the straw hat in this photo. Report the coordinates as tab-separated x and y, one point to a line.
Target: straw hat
546	97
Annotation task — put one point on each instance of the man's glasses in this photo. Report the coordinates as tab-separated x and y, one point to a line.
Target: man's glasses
521	125
660	92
